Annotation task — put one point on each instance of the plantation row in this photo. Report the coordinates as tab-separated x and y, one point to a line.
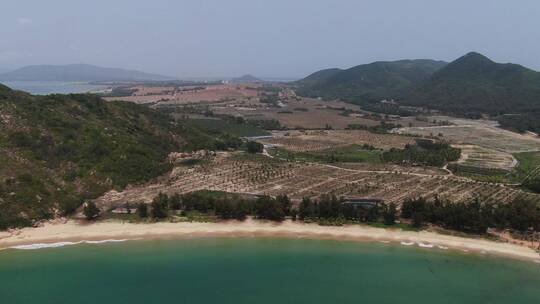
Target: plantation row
274	177
324	140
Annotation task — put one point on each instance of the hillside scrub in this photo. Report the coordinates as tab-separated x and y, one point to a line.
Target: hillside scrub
58	151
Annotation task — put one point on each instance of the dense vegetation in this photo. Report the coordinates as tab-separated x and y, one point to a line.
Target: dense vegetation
57	151
475	216
425	152
521	122
330	210
368	82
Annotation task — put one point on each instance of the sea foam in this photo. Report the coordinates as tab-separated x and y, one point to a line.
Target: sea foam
61	244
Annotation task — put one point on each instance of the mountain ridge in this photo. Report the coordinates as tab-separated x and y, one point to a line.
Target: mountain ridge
368	82
475	83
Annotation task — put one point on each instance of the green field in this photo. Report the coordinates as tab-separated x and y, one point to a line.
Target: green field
528	162
350	154
219	125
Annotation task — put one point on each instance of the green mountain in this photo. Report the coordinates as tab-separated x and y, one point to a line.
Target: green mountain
368	82
78	72
475	84
57	151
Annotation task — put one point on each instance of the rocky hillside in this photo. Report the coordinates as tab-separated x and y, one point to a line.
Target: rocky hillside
57	151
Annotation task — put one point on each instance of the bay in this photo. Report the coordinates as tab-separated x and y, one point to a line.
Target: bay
251	270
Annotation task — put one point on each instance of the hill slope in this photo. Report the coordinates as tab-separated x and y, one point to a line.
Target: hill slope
318	77
77	72
368	82
58	150
474	83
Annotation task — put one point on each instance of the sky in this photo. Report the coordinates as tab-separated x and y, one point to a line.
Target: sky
266	38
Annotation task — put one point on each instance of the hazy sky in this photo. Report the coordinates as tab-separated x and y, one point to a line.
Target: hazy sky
282	38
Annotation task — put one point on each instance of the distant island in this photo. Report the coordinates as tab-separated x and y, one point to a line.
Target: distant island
246	79
78	73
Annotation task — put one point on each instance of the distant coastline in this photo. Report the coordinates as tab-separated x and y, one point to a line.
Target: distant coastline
72	233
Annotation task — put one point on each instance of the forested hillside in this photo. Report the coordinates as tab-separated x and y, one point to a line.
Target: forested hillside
317	77
58	150
474	83
368	82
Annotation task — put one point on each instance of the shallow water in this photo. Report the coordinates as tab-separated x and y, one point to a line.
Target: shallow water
261	271
53	87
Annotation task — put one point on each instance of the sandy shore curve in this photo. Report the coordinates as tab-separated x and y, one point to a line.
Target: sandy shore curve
73	232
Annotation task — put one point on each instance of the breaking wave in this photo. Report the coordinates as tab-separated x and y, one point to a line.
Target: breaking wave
61	244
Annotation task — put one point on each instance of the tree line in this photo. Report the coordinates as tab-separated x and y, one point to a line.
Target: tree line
221	205
472	217
328	209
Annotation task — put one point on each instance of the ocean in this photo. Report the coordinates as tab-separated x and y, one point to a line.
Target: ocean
251	270
53	87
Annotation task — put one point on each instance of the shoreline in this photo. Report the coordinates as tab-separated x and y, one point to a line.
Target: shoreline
73	233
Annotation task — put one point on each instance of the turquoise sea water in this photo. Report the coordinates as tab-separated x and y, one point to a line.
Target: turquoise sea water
261	271
53	87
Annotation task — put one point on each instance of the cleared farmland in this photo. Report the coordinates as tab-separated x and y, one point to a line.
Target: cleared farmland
242	173
483	133
188	95
476	156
